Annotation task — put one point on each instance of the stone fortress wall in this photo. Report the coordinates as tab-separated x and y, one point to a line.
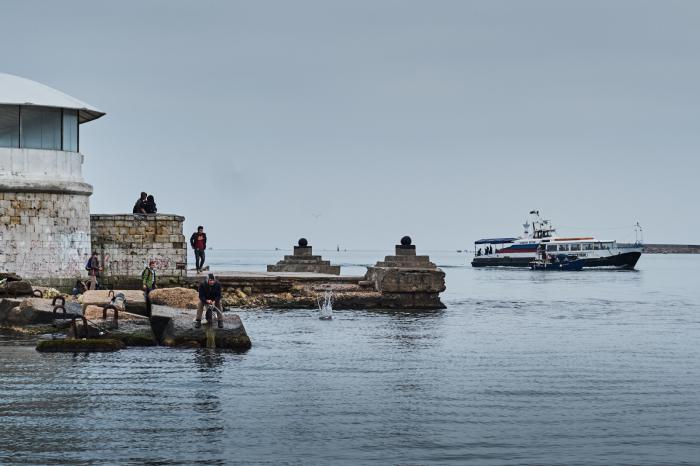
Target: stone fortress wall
44	215
45	236
125	243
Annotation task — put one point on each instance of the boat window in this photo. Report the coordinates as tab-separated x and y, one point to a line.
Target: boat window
563	247
576	247
586	246
607	245
596	246
551	247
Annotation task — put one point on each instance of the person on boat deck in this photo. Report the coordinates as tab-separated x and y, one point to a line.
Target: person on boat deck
478	253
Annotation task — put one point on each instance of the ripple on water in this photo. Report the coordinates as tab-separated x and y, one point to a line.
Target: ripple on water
519	369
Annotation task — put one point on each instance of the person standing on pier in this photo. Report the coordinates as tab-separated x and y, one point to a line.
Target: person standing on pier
198	240
93	268
148	278
209	293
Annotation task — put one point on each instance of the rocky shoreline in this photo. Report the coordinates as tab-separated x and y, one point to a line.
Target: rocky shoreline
401	281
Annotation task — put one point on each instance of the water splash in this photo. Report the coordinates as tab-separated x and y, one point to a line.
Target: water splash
326	307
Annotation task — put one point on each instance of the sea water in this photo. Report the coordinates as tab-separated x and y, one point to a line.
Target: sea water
522	367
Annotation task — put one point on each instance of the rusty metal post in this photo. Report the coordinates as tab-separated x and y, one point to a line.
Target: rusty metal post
116	313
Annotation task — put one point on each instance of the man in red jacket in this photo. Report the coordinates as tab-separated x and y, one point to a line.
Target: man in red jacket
198	241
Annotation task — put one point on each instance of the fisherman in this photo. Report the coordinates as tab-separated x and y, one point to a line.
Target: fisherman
209	293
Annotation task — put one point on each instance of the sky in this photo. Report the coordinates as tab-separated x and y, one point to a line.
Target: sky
355	123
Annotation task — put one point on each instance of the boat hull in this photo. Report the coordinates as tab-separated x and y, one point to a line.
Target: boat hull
560	266
626	260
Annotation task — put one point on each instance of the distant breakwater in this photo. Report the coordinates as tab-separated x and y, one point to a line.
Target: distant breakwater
672	248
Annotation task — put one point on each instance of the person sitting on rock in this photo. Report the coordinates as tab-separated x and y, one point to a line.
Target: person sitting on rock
140	206
209	293
79	288
151	205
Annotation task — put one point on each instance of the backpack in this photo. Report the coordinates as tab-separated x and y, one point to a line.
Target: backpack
87	265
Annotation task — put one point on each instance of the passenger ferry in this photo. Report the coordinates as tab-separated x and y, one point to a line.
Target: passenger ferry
542	242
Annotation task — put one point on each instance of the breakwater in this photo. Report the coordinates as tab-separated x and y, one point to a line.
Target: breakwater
672	248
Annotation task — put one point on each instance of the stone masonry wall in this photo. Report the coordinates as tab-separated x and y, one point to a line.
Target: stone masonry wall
44	237
126	242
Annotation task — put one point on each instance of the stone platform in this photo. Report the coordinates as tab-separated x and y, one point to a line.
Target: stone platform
303	260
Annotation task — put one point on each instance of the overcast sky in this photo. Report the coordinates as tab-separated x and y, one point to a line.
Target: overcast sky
357	122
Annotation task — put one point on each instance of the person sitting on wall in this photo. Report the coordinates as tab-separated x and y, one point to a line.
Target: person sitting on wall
148	278
140	206
198	241
209	293
151	205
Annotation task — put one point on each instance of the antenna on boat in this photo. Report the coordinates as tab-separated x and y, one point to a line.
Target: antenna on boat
638	234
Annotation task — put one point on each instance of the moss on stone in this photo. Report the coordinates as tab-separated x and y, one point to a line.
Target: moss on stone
29	329
135	339
79	346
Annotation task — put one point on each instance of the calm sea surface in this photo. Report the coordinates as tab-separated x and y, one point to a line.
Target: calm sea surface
536	368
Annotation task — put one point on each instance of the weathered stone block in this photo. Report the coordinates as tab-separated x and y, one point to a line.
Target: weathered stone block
178	330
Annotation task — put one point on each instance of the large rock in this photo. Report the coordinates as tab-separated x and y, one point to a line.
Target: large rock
79	346
17	288
135	300
406	280
176	328
32	311
182	298
132	329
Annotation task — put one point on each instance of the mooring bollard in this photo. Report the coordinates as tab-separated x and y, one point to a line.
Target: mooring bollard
38	293
61	306
75	326
116	313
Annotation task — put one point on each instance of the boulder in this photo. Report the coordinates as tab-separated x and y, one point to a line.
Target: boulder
32	311
135	300
406	280
176	328
10	277
48	292
182	298
132	329
18	288
79	346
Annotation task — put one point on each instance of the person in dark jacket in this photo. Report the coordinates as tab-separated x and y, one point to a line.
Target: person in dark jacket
198	241
150	205
93	268
140	206
209	293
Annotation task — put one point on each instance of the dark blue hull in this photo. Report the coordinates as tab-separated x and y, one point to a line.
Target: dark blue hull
575	265
625	260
